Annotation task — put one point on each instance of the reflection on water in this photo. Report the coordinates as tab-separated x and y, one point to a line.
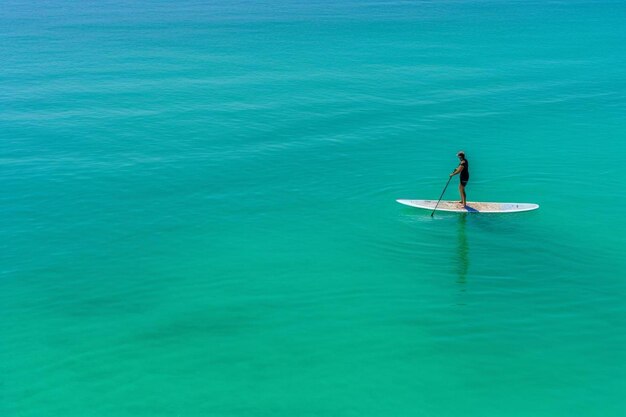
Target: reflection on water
462	250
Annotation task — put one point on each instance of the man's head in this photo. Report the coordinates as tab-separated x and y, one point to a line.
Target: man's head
461	154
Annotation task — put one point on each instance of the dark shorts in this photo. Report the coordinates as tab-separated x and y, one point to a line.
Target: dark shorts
464	182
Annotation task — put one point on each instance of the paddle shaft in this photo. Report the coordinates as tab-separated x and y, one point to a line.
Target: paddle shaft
441	196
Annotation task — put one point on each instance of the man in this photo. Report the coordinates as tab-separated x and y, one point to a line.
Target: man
462	169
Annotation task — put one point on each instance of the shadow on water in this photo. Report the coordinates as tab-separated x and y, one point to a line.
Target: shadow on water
462	249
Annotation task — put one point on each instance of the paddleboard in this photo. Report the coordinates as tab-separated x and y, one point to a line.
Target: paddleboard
471	207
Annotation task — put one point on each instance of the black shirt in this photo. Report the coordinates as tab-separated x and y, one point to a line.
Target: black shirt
465	172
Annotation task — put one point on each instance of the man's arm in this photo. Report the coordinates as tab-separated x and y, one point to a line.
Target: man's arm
457	170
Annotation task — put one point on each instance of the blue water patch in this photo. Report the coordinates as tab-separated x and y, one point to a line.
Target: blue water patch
198	208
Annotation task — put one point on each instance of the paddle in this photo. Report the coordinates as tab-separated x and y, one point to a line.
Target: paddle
441	196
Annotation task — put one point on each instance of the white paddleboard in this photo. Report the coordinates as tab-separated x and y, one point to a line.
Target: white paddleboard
471	207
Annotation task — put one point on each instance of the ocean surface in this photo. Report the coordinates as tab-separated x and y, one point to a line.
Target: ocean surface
198	213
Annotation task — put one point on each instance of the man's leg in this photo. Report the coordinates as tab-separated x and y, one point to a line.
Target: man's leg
463	196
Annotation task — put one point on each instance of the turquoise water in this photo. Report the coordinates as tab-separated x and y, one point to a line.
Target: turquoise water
198	212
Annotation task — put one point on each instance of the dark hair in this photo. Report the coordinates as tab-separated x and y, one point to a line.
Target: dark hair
460	153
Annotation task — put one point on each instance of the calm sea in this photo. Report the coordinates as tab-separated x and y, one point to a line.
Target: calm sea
198	211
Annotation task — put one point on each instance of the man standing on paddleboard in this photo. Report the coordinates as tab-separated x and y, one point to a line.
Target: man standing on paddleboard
463	169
